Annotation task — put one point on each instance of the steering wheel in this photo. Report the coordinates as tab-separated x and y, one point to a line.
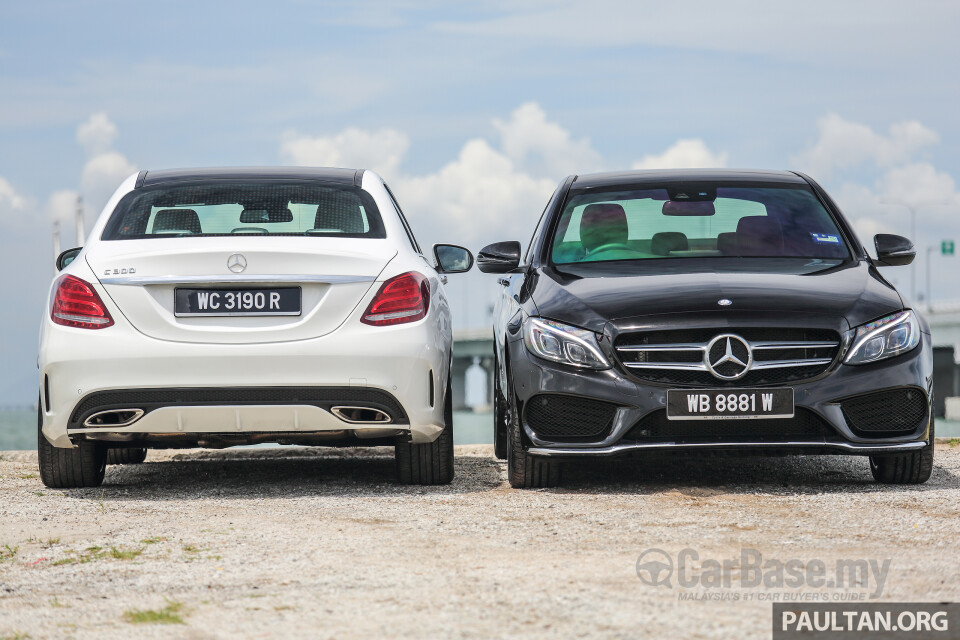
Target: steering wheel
613	246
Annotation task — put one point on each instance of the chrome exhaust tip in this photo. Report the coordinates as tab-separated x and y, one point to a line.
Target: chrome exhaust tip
361	415
114	418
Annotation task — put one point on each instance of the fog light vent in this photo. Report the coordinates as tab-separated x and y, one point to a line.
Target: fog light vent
555	416
891	411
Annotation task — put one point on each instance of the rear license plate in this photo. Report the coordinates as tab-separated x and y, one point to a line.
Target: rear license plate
279	301
721	404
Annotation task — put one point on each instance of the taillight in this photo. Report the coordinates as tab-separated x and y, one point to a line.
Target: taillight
76	304
404	298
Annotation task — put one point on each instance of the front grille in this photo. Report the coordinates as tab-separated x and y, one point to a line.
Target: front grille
804	426
554	416
888	411
678	357
150	399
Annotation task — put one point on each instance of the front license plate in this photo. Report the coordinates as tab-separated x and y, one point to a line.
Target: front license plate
279	301
720	404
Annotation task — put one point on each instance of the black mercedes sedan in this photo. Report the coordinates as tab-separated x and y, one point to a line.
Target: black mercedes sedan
705	310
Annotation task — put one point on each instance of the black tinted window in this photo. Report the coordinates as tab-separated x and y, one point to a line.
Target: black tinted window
245	208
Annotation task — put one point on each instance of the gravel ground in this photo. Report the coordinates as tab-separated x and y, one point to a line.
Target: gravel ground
279	543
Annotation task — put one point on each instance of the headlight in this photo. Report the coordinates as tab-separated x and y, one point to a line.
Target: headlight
562	343
885	338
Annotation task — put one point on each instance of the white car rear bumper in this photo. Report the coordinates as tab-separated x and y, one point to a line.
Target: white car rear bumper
397	360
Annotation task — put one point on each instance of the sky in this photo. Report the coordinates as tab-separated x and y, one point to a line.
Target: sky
472	111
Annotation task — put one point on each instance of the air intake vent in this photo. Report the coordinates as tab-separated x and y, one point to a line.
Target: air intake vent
805	426
560	417
891	411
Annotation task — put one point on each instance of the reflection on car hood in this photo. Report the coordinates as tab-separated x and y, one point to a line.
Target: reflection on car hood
589	298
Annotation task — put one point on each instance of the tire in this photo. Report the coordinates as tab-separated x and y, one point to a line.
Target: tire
914	467
126	455
525	471
501	429
430	463
81	466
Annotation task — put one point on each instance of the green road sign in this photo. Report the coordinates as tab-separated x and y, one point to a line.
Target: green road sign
946	247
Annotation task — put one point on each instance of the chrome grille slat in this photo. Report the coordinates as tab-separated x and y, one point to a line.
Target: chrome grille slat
782	364
671	366
684	362
664	347
793	345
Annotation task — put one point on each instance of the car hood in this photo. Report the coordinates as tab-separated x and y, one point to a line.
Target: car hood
855	292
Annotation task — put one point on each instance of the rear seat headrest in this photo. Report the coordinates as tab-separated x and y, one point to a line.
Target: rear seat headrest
666	241
339	210
177	220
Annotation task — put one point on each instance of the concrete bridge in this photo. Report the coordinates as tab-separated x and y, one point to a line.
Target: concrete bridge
472	347
473	359
944	321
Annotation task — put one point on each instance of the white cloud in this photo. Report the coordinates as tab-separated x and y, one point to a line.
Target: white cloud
97	134
14	207
900	183
843	144
381	150
479	197
62	205
527	137
10	200
689	153
105	168
883	206
102	174
922	186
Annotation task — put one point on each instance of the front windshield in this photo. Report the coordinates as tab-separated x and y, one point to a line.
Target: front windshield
702	220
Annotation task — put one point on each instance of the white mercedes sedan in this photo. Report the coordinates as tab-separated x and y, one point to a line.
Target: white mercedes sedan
223	307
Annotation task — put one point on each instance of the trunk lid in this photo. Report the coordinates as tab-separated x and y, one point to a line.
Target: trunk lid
334	275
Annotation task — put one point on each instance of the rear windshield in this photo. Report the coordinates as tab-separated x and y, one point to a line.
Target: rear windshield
245	208
685	220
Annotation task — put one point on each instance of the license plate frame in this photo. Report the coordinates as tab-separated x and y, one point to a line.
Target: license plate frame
188	302
680	406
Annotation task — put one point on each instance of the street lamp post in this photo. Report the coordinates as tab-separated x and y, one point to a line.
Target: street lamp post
930	249
913	236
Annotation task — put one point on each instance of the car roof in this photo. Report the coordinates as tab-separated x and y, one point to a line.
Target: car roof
614	178
323	174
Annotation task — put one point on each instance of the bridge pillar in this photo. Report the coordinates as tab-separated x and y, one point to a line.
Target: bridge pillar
487	364
458	382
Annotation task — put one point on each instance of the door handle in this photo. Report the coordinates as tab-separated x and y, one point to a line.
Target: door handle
503	282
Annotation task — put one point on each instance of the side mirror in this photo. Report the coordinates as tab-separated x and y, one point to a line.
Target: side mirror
67	257
893	251
499	257
452	258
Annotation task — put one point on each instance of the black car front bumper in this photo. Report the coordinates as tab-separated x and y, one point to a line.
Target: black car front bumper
626	406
